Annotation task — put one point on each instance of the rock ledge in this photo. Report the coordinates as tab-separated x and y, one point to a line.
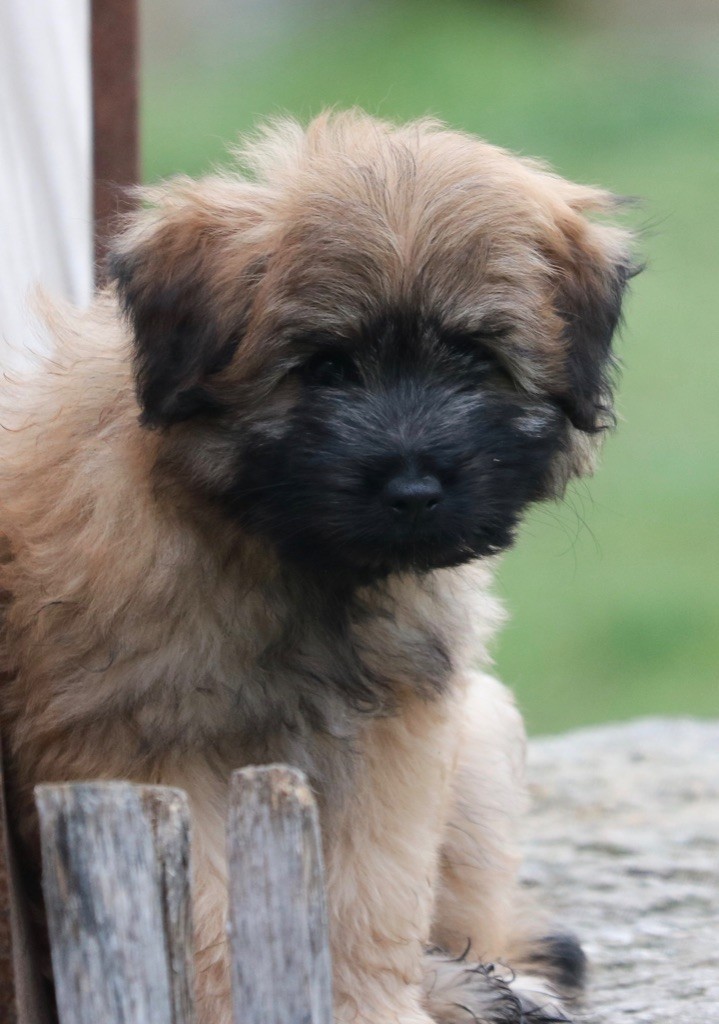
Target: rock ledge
623	841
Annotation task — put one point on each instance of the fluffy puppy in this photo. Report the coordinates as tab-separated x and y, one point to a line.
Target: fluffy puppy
251	509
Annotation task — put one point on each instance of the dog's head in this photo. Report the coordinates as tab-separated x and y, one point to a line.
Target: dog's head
381	347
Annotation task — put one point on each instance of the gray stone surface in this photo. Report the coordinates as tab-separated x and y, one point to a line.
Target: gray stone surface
623	842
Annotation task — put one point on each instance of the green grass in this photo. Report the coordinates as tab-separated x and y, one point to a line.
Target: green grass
614	597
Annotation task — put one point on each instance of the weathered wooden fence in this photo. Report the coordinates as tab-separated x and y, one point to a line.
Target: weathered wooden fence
116	880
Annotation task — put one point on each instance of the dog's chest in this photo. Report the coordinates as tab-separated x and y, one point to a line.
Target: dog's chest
272	674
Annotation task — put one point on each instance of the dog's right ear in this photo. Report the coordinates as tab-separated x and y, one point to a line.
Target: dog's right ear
184	271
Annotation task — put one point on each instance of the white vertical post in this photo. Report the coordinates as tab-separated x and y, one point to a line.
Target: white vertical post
45	163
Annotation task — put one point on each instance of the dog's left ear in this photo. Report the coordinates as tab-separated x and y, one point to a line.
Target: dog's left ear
185	270
590	263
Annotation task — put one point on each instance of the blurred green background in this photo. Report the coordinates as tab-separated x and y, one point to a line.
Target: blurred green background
614	597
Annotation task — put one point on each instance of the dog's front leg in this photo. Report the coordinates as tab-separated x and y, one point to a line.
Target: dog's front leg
501	962
381	858
208	791
480	905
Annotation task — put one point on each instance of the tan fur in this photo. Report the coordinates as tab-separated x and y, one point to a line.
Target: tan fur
136	613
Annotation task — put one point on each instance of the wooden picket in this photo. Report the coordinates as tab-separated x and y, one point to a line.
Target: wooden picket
278	926
116	883
116	887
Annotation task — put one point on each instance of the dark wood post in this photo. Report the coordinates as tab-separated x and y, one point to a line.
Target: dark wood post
115	117
23	992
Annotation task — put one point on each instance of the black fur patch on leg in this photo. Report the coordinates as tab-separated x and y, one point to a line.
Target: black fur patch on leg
561	959
460	992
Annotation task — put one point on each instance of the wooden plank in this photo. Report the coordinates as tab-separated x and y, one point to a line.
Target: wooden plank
170	820
23	990
112	853
278	921
115	105
8	992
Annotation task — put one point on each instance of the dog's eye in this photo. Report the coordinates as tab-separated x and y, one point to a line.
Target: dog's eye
330	369
475	354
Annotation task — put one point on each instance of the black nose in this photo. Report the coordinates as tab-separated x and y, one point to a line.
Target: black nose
411	497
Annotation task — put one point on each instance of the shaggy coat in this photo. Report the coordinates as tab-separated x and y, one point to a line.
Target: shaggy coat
189	589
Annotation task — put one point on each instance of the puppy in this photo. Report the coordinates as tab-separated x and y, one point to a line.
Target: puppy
252	508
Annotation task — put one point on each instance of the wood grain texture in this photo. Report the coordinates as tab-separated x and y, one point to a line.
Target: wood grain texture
112	853
8	998
25	996
170	820
278	920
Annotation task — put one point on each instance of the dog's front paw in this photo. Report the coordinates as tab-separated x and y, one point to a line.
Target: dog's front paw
459	992
539	1002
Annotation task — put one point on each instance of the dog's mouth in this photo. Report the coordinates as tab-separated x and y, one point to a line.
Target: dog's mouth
364	562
